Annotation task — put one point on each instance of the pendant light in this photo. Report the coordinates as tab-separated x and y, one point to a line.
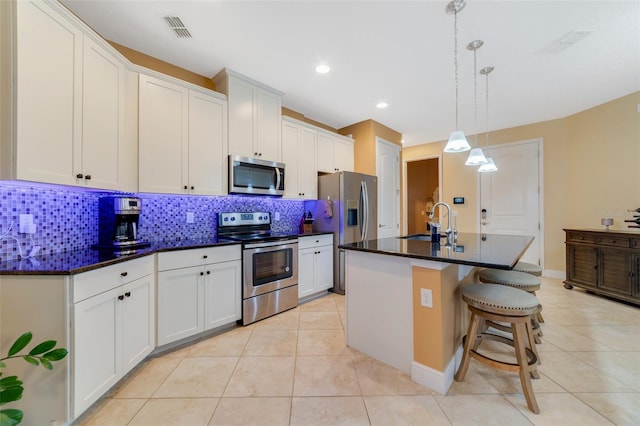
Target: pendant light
457	141
476	156
491	165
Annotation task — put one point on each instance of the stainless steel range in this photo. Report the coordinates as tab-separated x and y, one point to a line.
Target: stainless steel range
269	264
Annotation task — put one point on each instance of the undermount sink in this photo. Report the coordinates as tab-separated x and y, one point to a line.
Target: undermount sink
419	237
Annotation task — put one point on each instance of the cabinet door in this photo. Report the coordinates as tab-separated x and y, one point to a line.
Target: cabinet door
96	366
207	145
307	169
324	268
325	153
102	117
343	155
163	136
615	271
49	94
137	312
306	271
180	304
269	117
582	265
222	293
290	144
242	130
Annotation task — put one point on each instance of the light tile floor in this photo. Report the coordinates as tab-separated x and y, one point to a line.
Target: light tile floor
294	369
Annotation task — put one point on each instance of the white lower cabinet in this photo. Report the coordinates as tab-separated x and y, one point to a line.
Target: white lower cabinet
113	326
198	290
315	264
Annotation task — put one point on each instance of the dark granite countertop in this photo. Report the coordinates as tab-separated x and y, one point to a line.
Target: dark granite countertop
78	261
486	250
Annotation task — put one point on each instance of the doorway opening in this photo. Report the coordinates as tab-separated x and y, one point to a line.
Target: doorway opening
422	192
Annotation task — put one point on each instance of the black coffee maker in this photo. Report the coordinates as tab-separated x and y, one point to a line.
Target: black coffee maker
118	223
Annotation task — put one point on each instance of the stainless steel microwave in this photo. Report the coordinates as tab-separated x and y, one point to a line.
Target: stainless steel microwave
254	176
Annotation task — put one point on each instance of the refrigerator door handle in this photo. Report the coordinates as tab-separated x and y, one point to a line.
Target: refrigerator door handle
365	209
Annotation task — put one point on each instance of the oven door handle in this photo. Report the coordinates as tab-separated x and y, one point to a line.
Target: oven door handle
275	244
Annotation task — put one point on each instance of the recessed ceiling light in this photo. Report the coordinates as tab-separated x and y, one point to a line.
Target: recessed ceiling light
381	105
323	69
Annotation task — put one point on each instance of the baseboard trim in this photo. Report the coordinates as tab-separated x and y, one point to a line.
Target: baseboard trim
438	381
551	273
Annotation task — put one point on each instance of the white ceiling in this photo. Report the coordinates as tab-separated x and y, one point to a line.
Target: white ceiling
397	51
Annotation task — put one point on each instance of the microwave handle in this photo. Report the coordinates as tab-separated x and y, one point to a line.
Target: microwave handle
278	178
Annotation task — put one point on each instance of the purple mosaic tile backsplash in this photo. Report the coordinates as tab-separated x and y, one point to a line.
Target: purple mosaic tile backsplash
67	218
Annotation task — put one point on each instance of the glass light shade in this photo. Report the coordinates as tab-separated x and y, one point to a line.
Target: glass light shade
489	167
457	142
476	158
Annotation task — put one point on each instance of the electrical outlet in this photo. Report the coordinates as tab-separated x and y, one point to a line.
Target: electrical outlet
26	225
190	217
426	298
277	216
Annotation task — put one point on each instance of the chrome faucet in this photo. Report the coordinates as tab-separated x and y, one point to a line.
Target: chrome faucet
447	231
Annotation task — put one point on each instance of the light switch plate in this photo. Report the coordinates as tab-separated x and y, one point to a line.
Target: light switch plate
426	298
190	217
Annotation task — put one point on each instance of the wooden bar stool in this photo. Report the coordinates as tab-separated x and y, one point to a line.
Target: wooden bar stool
494	302
520	280
531	269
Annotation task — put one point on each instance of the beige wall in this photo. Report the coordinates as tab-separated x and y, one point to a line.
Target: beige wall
364	151
591	167
150	62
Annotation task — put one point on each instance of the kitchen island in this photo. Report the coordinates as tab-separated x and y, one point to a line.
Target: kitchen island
403	299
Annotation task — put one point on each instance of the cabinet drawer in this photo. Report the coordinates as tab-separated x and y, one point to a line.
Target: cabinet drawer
315	241
635	243
580	237
94	282
198	257
613	240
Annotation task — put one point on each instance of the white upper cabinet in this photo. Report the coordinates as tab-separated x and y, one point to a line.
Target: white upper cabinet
298	154
70	100
207	144
335	153
48	94
255	113
182	139
103	97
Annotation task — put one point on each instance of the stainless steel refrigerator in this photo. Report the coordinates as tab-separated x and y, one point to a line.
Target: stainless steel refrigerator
347	206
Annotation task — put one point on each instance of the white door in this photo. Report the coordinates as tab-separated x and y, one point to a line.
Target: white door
388	172
207	145
96	366
137	311
510	198
222	293
180	303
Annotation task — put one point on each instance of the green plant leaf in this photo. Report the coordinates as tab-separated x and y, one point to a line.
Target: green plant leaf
46	363
31	360
11	394
20	343
2	364
43	347
56	354
10	381
10	417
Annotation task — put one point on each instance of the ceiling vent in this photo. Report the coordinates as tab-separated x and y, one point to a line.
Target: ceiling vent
177	26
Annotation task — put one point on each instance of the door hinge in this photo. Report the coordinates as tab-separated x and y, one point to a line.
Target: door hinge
538	226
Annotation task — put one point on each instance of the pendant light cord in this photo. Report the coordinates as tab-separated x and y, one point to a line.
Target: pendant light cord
486	96
455	59
475	96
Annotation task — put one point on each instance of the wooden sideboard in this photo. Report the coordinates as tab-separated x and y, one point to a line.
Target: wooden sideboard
604	262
